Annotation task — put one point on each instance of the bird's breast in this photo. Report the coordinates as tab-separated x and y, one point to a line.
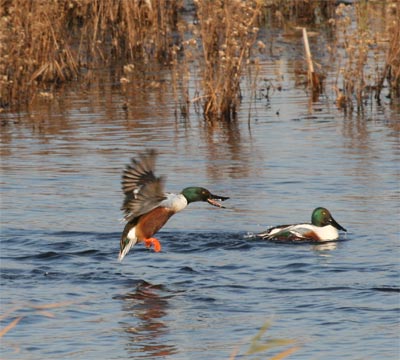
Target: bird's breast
174	202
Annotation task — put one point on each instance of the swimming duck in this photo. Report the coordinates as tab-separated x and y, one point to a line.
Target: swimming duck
323	227
147	207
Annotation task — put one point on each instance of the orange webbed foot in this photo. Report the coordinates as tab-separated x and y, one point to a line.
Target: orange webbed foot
153	241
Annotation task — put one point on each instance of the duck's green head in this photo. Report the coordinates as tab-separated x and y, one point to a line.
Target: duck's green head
195	193
322	217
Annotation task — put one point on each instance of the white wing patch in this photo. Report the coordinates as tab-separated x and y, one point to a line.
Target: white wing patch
132	242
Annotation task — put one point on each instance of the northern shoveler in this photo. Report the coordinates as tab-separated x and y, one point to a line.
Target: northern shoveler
323	227
147	207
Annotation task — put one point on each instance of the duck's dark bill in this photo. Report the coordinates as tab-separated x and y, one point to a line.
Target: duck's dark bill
213	200
337	225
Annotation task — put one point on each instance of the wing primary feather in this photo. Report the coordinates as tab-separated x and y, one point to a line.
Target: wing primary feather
139	172
143	190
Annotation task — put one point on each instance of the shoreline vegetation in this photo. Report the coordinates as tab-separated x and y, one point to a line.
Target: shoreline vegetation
46	44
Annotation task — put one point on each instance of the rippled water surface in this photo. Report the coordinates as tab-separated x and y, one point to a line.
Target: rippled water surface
207	294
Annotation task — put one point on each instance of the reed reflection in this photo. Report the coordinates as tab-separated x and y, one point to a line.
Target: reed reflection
146	306
229	151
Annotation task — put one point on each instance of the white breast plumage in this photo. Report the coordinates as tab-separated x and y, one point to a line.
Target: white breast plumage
175	202
327	233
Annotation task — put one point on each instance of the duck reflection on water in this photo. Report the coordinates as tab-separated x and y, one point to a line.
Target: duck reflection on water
146	306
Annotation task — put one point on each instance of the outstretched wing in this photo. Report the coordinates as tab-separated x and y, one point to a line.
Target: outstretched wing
143	190
139	172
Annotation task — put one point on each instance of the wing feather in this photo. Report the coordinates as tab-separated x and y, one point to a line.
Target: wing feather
139	172
267	234
143	190
288	232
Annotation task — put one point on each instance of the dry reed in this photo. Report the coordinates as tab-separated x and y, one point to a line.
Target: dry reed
314	79
228	30
304	12
127	30
33	49
363	47
391	71
45	43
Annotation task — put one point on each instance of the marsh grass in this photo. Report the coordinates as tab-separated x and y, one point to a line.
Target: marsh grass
45	43
363	46
305	12
391	71
126	30
228	31
33	49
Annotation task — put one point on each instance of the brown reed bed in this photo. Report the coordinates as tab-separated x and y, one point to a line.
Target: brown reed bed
391	71
301	11
365	47
364	69
46	43
228	30
33	49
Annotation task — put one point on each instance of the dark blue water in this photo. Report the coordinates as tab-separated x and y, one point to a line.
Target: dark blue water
211	289
204	295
